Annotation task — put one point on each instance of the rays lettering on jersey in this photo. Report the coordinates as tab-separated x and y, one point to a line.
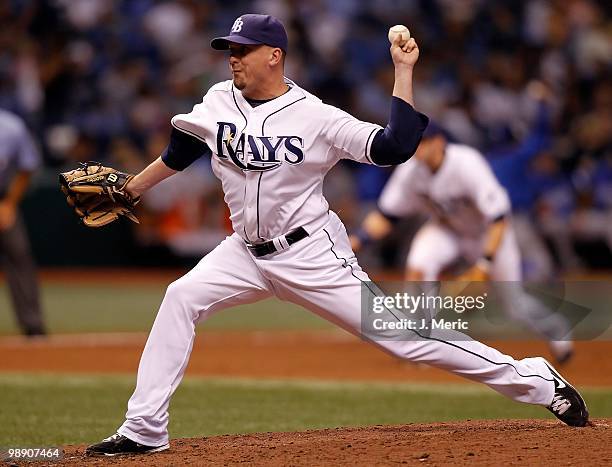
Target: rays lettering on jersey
258	153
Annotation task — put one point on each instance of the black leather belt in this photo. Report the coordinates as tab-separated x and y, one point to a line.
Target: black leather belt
269	247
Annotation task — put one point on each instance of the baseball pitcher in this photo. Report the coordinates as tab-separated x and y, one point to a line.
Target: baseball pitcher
271	144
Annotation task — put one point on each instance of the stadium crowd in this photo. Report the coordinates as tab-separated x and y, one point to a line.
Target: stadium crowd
526	82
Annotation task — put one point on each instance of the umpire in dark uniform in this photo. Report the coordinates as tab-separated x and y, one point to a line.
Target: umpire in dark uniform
19	157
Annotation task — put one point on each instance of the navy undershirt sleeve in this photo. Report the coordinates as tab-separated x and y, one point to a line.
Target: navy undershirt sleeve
402	135
183	150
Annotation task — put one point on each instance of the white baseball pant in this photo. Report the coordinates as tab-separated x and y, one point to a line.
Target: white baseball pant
321	274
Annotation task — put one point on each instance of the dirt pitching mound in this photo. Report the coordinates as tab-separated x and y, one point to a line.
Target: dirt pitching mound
489	442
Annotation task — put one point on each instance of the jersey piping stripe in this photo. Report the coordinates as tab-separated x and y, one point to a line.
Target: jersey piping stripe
276	111
246	122
426	337
368	144
243	223
189	133
258	186
263	124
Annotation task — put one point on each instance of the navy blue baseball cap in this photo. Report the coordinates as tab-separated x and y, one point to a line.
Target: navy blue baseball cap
435	129
254	29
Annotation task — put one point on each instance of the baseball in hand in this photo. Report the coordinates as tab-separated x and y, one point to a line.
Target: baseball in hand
399	29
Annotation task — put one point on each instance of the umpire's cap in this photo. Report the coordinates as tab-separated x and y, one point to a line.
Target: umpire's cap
254	29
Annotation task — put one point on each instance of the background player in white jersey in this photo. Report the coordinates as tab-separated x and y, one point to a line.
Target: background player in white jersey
469	225
271	144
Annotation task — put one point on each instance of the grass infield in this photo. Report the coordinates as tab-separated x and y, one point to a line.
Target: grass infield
132	308
50	410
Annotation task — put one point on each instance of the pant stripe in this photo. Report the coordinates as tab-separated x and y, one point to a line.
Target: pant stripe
452	344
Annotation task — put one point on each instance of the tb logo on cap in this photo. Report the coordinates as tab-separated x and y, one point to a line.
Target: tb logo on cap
237	27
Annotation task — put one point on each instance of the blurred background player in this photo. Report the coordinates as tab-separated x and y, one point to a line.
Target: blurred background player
19	158
469	229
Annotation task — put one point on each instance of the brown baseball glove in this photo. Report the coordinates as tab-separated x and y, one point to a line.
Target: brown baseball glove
97	194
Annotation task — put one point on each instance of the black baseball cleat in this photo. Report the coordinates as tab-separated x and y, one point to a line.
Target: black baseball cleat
119	444
567	405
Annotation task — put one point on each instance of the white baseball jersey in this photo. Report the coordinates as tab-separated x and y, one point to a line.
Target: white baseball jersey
463	194
271	159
